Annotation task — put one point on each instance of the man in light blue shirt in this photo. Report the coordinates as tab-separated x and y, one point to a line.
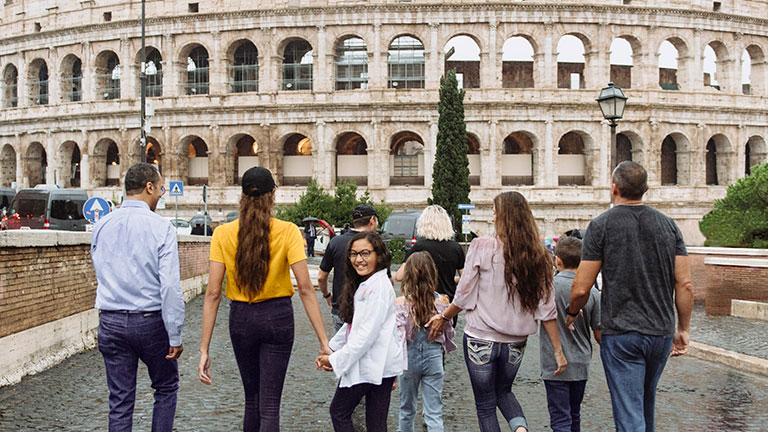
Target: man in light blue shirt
136	258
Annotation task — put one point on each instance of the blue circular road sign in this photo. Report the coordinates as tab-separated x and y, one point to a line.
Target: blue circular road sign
96	208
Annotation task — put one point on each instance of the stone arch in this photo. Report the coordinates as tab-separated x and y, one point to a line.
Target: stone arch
754	82
407	159
462	53
633	145
105	163
297	66
37	82
672	63
352	158
623	51
572	49
37	164
244	151
405	63
7	165
154	152
298	160
574	167
194	61
242	63
675	161
719	160
473	155
351	62
518	62
10	83
195	170
71	79
108	74
154	71
68	159
517	159
720	76
755	153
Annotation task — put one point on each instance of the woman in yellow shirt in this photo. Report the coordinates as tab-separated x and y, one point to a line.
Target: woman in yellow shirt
255	251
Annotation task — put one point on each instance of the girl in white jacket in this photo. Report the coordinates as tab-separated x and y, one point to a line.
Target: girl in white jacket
368	353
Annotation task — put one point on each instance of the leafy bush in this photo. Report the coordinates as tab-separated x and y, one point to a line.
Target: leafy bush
397	249
335	208
741	218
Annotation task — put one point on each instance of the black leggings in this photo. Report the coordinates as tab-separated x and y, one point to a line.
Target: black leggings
376	405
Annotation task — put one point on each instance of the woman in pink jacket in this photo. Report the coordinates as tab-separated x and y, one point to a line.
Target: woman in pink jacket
505	289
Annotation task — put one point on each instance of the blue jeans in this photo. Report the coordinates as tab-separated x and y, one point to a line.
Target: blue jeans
337	322
425	368
492	368
262	338
633	364
124	338
564	403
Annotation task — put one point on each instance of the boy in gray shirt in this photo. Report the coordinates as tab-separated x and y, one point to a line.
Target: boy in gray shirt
566	391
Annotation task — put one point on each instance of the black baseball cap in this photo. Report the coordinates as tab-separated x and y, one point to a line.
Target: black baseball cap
363	210
257	181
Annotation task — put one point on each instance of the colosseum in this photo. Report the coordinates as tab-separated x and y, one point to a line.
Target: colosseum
348	90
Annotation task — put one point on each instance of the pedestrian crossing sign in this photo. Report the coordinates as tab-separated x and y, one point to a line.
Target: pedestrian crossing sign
176	188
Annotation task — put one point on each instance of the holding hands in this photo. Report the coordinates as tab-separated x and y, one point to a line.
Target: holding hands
322	362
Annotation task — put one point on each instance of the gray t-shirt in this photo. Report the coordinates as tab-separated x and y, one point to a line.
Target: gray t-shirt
577	344
637	246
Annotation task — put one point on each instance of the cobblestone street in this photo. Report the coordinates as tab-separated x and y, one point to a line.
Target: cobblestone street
693	395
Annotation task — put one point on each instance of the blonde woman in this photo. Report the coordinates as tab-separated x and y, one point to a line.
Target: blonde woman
434	231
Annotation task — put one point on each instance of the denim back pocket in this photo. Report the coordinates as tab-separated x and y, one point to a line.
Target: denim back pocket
479	351
516	353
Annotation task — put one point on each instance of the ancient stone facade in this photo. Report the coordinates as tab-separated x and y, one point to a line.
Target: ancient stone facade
332	89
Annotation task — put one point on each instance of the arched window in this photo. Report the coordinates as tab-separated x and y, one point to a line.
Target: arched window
154	152
38	82
197	154
669	161
113	164
244	72
69	164
756	152
297	65
10	87
406	63
711	163
196	77
710	68
108	75
570	63
623	148
297	160
246	156
621	63
7	169
407	159
37	164
71	79
154	72
668	64
462	54
352	159
473	155
351	64
571	160
517	63
754	70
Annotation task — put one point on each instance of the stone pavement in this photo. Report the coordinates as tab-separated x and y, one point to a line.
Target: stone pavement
732	333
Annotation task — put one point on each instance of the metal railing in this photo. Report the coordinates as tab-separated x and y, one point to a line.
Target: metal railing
243	78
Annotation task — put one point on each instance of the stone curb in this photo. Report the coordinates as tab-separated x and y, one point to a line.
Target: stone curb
742	362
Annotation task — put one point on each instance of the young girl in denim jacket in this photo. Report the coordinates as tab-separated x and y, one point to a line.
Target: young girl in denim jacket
424	358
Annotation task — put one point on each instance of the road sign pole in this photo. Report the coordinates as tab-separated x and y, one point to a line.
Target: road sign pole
177	207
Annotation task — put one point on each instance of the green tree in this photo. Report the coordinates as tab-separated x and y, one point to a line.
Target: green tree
741	218
450	175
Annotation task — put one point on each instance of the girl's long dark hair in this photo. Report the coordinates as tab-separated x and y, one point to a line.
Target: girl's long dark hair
526	259
352	280
419	285
252	257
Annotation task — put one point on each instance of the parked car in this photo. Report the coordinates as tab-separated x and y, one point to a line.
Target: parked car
200	219
6	196
47	207
402	225
182	226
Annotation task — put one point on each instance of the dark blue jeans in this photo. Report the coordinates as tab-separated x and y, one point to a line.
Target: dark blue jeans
124	338
346	399
564	403
633	364
262	338
492	368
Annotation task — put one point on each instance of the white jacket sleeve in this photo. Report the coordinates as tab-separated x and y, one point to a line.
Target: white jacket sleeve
339	339
370	314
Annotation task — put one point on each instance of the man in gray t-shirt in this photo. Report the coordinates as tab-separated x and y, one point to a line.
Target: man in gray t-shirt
646	276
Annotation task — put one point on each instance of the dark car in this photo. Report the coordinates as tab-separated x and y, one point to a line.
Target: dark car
402	225
47	207
6	196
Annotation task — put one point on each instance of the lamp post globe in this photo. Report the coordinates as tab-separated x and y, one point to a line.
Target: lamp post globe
612	103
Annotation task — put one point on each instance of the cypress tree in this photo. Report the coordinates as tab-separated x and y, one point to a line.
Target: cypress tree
450	174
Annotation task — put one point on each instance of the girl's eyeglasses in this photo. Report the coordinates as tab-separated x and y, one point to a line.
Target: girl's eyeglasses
365	253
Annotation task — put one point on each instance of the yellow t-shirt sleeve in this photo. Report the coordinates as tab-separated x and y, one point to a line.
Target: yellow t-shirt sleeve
295	242
216	254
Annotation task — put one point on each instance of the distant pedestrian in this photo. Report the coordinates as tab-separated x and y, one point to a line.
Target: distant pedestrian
345	229
566	391
141	307
368	354
364	219
200	229
434	231
310	233
255	252
506	287
646	276
424	358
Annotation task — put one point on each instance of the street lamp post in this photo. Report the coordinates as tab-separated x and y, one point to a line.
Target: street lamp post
143	84
612	102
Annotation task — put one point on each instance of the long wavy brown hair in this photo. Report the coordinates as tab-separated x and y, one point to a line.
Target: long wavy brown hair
252	257
526	259
419	283
352	280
